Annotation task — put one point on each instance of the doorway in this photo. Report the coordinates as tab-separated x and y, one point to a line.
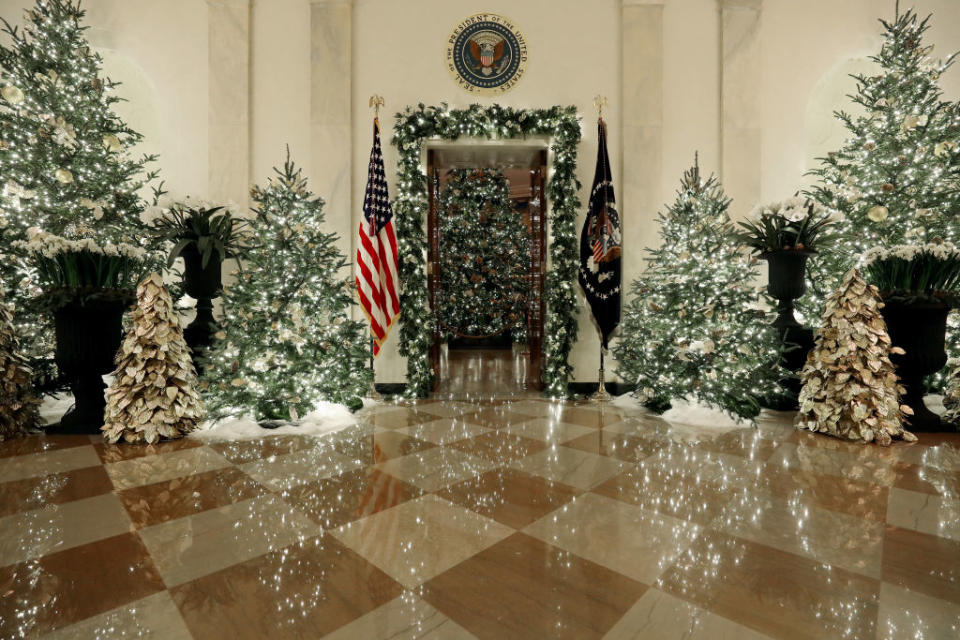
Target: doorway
487	299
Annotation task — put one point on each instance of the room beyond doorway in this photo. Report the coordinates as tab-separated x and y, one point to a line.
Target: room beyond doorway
487	236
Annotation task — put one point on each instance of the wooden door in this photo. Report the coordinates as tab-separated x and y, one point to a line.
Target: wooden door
538	262
433	258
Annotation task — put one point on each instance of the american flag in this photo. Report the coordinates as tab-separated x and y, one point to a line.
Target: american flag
378	285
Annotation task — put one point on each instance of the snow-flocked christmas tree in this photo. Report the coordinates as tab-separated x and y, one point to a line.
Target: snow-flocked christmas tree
693	328
850	388
19	405
65	157
287	341
154	394
896	179
484	257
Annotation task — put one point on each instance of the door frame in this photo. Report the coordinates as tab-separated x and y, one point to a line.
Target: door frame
536	301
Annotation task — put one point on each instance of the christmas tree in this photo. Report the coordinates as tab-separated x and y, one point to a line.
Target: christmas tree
64	154
896	179
484	257
154	391
19	405
287	341
850	388
693	328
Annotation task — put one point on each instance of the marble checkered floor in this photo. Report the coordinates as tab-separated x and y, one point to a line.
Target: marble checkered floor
508	518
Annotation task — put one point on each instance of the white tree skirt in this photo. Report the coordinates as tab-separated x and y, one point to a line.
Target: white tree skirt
326	418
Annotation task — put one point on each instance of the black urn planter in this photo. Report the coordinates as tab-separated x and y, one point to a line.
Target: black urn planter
920	330
786	281
204	284
88	338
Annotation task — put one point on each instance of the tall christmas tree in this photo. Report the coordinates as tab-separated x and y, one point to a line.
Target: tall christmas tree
484	257
850	389
896	179
19	405
692	328
287	340
154	391
64	154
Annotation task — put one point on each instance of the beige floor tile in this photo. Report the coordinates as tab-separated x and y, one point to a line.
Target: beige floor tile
571	467
155	616
436	468
942	456
195	546
32	534
443	431
404	618
639	544
830	537
548	430
723	469
419	539
936	515
48	462
863	464
447	408
535	408
300	467
660	615
137	472
908	614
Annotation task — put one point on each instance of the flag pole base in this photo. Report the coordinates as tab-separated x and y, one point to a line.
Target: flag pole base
601	394
373	394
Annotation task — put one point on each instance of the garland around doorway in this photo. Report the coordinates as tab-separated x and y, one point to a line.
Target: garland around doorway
415	126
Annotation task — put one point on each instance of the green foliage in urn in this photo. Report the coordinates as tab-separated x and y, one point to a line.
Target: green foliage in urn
210	229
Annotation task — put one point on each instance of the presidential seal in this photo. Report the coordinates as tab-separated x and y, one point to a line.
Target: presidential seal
486	54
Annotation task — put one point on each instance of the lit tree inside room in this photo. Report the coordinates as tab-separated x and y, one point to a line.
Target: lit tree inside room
287	340
692	328
484	256
896	179
65	156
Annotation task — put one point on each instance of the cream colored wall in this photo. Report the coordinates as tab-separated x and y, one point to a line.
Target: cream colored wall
219	87
574	55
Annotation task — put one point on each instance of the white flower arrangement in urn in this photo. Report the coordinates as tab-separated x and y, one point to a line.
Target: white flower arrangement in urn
794	224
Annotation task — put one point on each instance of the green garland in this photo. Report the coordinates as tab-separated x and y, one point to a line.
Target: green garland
413	127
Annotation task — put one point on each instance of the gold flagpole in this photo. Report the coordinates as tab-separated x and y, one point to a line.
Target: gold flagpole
601	395
376	101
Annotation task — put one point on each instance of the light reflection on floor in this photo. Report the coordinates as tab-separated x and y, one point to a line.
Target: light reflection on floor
491	517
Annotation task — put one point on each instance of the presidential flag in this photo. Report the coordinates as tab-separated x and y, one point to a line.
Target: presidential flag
601	246
378	282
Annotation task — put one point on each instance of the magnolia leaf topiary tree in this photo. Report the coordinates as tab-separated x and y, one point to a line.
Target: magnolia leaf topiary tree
19	405
154	394
850	387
